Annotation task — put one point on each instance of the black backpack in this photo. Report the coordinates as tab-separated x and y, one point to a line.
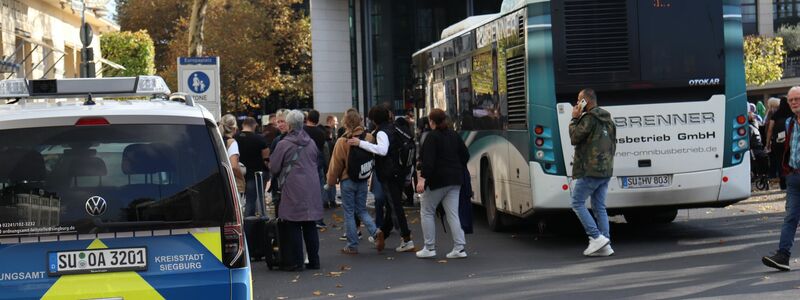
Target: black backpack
404	153
360	162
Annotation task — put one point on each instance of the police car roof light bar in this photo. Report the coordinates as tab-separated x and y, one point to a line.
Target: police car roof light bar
97	87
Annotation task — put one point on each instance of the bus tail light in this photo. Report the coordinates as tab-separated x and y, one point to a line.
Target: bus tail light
724	178
739	140
543	150
742	131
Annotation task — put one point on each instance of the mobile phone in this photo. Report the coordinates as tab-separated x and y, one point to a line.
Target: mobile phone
582	104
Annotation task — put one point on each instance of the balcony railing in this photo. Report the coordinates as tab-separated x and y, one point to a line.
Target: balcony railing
791	66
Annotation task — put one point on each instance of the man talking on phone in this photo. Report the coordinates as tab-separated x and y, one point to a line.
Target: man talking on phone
594	136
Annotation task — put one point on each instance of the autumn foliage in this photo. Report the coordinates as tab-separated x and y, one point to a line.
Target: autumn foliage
264	45
763	57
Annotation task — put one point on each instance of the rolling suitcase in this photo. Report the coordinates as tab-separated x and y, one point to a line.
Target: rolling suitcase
274	254
256	226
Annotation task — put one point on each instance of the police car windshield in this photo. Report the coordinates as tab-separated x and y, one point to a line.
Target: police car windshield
113	178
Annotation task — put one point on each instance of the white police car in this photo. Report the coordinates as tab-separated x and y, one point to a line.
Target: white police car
115	199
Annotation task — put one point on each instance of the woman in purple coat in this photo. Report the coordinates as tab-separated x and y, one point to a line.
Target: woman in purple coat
295	160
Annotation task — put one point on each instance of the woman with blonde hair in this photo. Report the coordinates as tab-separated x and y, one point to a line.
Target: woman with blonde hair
354	190
227	128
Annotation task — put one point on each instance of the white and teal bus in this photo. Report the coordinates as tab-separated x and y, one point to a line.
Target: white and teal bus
670	72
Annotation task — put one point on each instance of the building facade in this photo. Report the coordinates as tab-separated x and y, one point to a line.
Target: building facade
40	38
361	49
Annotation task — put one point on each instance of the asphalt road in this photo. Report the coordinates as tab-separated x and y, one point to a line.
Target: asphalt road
705	253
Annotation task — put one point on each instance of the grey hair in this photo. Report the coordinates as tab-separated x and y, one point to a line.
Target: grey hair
794	88
227	125
295	119
773	103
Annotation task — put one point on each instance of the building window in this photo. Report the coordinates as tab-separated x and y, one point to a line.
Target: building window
749	17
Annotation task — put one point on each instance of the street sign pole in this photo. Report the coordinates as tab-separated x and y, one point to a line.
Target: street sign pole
87	55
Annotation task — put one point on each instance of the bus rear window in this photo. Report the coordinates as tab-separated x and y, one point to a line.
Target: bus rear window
115	178
692	49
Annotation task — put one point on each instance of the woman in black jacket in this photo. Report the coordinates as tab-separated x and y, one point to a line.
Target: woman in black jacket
443	158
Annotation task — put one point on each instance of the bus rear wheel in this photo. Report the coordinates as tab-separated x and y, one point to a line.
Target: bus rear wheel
650	216
488	195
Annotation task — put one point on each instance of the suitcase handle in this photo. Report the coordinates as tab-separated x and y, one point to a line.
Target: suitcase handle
260	196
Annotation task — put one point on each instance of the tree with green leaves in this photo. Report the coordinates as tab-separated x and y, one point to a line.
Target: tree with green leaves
791	37
132	50
763	57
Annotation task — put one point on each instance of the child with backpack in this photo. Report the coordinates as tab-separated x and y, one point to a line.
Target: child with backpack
351	167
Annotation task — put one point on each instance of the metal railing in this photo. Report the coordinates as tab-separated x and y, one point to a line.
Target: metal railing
791	66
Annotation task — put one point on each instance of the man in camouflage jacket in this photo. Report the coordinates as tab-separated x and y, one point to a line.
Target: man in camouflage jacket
594	136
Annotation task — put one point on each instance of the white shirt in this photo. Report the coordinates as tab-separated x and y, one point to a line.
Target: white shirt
233	149
381	148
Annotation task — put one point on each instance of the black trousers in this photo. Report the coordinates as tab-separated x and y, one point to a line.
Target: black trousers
393	212
296	234
775	159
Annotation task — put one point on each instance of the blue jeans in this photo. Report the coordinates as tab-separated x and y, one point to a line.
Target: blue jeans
789	228
354	202
596	188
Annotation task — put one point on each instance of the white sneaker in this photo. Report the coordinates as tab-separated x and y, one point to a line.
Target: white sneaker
405	246
457	254
425	253
605	251
595	244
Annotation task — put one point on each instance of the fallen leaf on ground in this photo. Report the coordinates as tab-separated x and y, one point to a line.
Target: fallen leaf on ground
414	221
337	218
331	294
282	298
444	261
345	268
317	293
388	287
318	274
323	229
339	285
390	258
335	274
350	296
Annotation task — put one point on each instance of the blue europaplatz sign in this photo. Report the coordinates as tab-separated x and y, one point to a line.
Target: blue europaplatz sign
199	77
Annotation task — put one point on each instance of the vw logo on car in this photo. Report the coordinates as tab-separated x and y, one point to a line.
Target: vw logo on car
96	206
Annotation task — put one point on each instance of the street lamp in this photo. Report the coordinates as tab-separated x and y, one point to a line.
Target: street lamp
86	34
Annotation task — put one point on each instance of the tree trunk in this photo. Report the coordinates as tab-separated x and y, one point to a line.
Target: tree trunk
196	24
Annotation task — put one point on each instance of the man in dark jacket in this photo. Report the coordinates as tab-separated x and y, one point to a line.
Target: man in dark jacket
594	136
317	134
